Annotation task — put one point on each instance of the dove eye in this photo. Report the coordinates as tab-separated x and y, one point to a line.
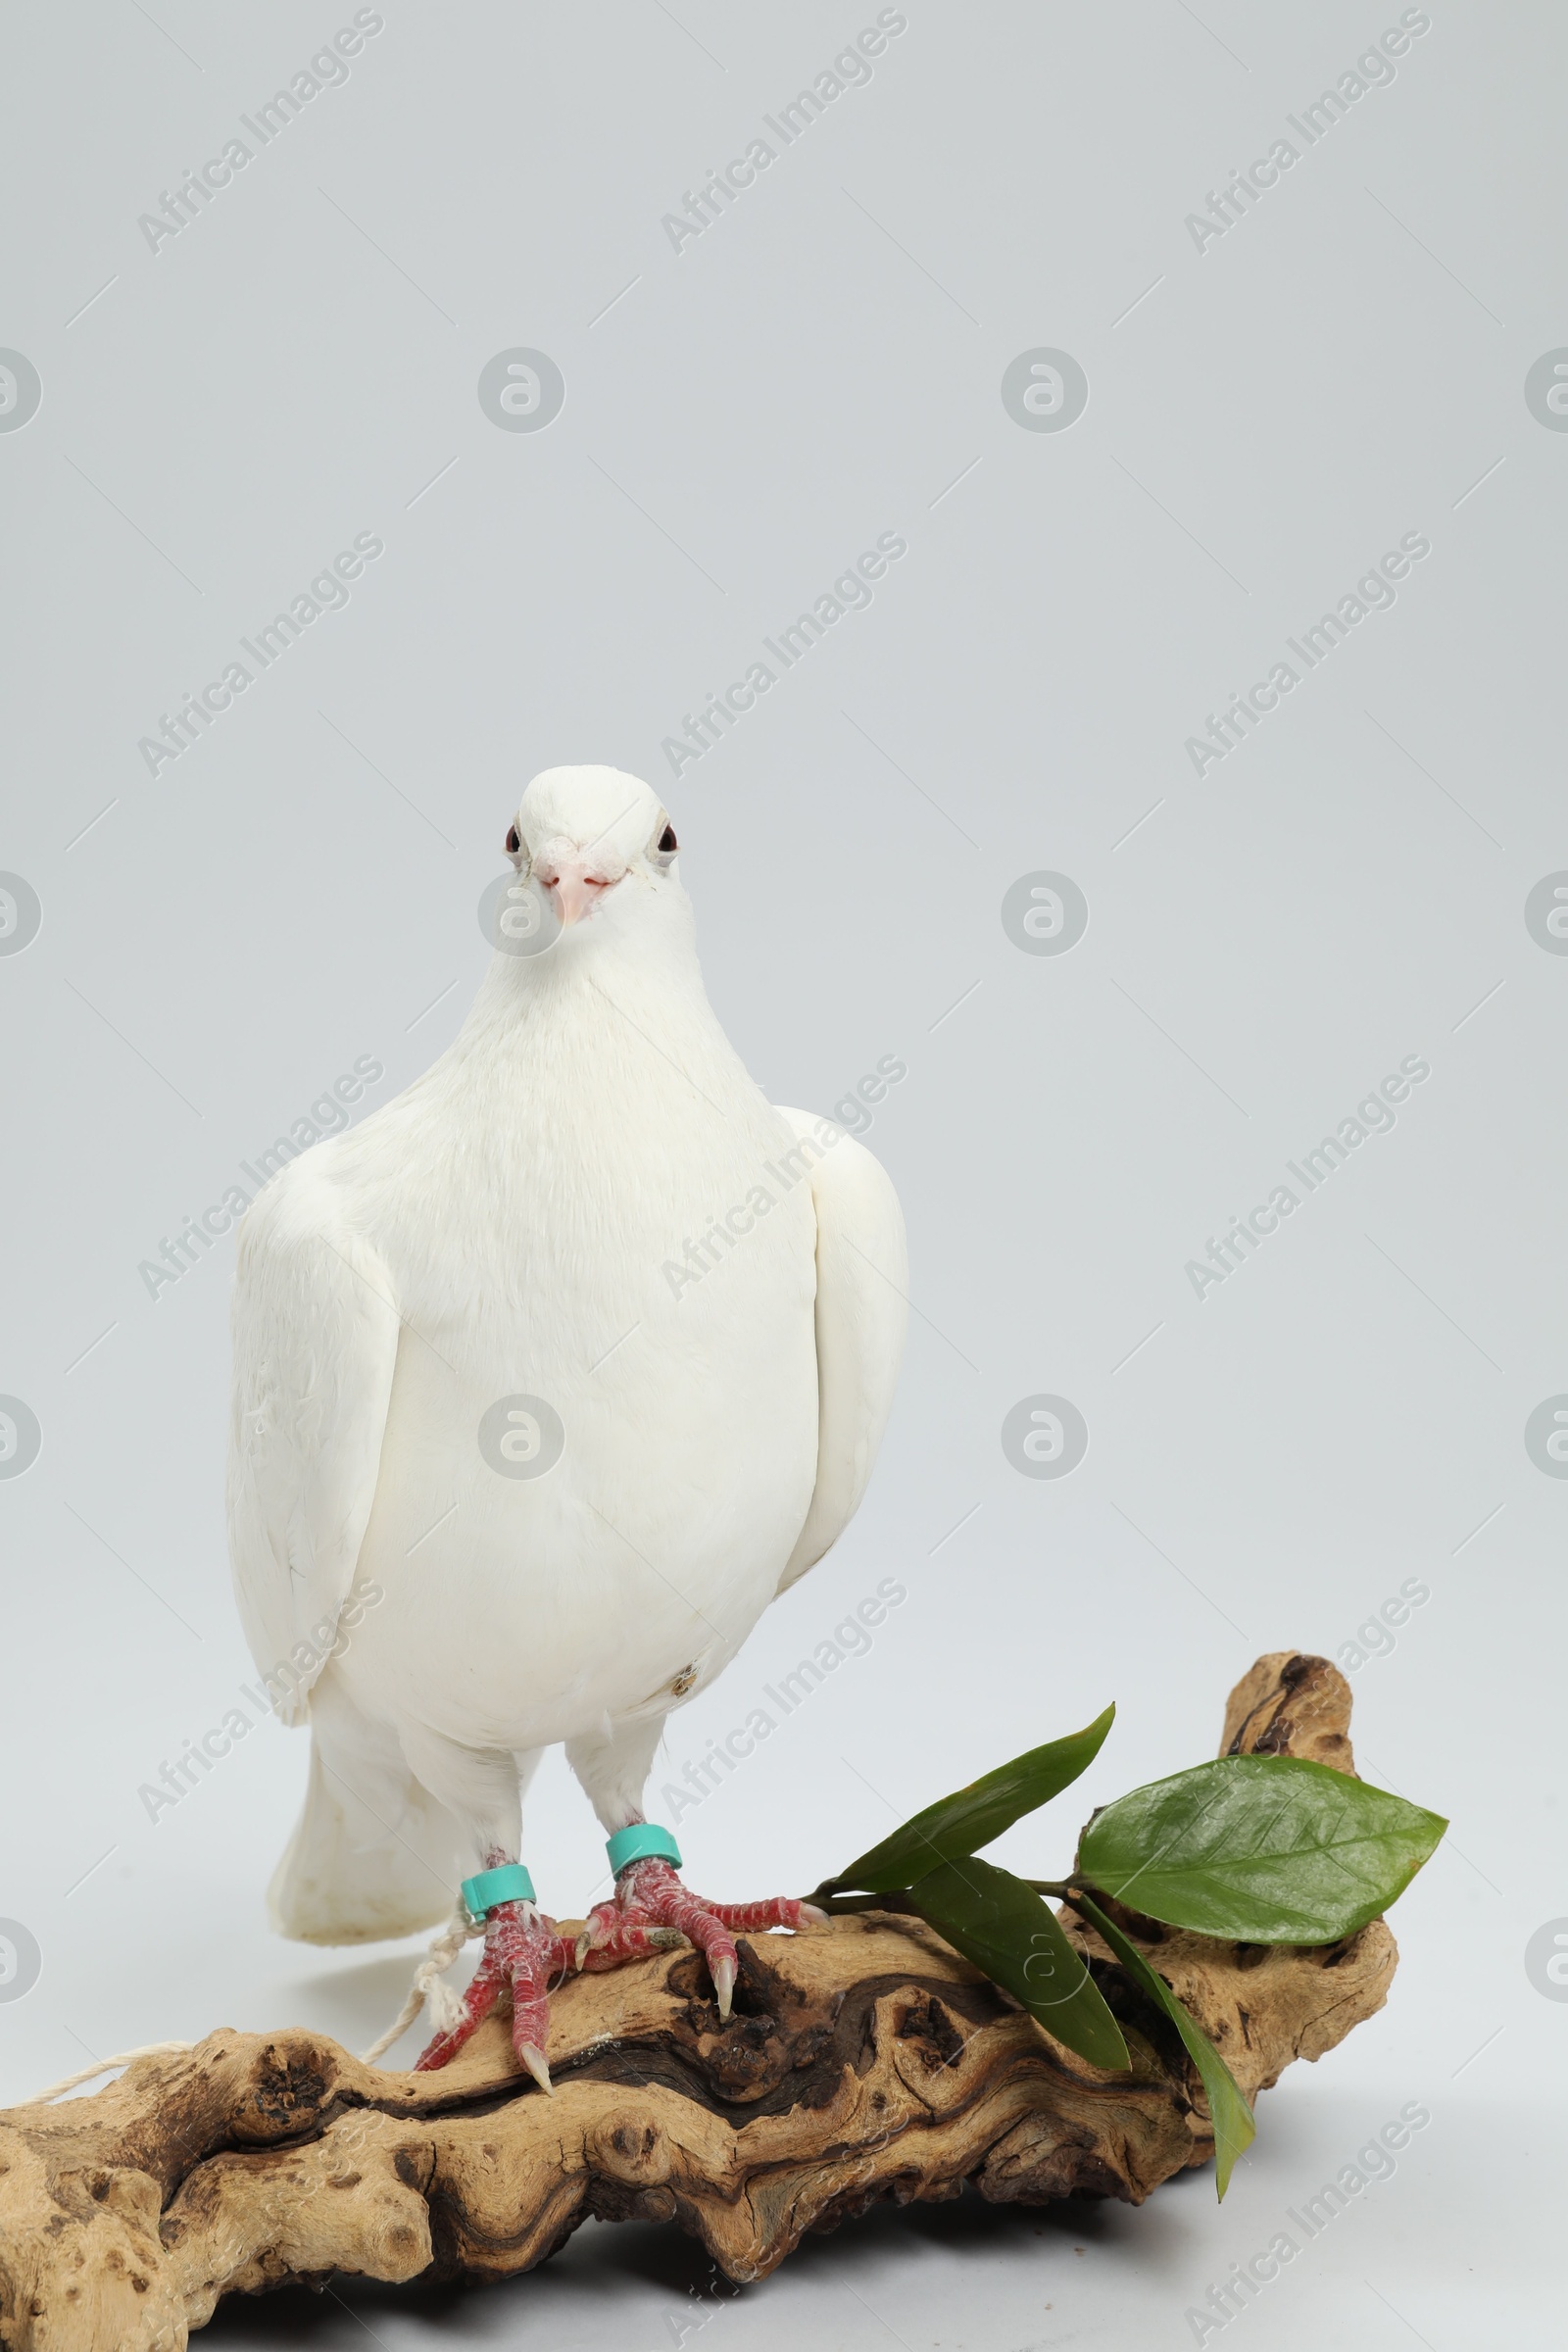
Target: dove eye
514	845
668	843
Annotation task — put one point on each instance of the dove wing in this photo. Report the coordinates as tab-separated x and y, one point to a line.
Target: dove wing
863	1283
315	1341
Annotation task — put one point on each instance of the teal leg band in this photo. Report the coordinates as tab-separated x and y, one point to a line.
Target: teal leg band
510	1883
642	1842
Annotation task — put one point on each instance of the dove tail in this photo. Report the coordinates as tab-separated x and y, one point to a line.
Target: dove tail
373	1854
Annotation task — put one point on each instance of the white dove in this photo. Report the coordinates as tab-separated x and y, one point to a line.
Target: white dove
548	1378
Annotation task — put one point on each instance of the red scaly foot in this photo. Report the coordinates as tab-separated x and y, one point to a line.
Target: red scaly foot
650	1902
523	1953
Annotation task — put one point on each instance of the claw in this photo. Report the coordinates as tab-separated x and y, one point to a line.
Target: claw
651	1911
523	1950
533	2058
723	1973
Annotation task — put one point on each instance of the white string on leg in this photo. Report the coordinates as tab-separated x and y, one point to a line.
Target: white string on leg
428	1986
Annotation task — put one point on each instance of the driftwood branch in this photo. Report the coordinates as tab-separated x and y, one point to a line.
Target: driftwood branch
865	2059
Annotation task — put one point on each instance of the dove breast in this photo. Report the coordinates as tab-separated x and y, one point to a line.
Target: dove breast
532	1199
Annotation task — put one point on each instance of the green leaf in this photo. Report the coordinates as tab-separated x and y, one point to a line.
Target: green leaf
1002	1925
957	1825
1259	1849
1234	2127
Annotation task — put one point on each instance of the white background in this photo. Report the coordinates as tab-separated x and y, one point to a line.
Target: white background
1266	416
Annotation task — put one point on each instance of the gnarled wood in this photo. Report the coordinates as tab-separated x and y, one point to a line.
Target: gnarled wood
863	2060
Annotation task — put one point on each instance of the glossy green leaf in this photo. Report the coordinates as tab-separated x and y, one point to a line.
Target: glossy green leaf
1002	1925
959	1824
1259	1849
1234	2127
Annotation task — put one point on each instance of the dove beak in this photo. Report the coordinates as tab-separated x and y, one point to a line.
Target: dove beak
574	888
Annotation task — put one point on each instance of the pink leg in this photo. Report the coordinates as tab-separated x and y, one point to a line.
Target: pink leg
649	1906
522	1952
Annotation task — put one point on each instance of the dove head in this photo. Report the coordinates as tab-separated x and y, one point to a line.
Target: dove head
598	843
